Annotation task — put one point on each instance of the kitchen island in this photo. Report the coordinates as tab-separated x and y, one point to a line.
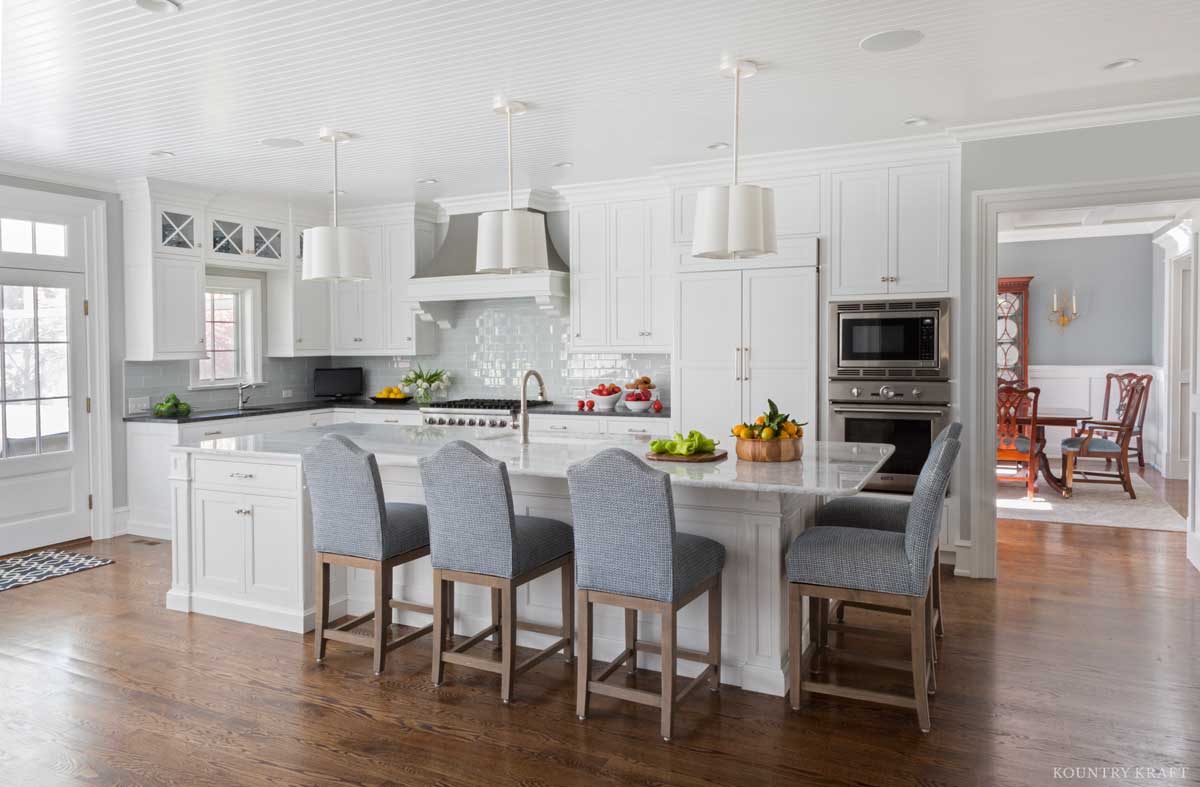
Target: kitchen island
242	535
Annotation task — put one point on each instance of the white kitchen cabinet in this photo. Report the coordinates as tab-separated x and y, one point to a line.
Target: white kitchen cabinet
743	337
164	309
241	545
589	276
298	314
358	305
621	276
410	416
178	229
242	242
891	231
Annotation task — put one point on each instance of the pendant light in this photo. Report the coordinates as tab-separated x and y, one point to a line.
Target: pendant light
511	241
335	253
737	220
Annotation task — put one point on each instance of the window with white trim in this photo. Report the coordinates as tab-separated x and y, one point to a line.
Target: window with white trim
232	329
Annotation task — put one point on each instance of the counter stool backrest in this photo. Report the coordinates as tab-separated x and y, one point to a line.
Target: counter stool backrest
624	519
346	495
951	432
923	527
471	518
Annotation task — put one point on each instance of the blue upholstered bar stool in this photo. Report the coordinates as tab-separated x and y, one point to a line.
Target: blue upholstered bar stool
628	554
876	567
353	526
475	537
891	514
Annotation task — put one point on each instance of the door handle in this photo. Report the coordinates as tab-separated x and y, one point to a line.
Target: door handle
737	363
746	363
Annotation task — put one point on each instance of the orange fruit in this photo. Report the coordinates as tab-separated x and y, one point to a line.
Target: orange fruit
762	419
768	433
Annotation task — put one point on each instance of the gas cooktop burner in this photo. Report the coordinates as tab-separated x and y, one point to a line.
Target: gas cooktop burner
483	404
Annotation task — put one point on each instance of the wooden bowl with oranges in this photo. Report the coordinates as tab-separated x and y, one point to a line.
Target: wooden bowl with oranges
773	437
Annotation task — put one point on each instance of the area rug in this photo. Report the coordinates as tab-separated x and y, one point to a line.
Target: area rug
27	569
1091	504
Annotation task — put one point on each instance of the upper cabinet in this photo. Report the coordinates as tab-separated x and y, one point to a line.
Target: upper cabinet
621	276
177	229
890	232
242	242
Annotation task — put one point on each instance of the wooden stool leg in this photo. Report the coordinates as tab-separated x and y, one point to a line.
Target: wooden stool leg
919	664
448	602
508	654
930	643
383	613
940	629
568	609
496	638
322	616
631	625
714	634
584	673
795	646
439	625
668	670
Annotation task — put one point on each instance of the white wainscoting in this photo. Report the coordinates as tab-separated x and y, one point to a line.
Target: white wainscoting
1082	387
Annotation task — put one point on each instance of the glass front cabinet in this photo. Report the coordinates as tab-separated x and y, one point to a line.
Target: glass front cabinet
245	241
1012	330
178	230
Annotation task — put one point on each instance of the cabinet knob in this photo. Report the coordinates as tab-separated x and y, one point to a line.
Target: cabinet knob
893	278
578	335
883	278
299	340
408	338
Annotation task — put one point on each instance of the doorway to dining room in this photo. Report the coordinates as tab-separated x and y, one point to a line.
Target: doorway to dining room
1094	357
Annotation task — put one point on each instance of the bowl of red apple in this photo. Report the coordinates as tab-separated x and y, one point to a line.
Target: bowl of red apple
606	396
640	396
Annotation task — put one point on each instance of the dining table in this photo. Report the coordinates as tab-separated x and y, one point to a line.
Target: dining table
1052	416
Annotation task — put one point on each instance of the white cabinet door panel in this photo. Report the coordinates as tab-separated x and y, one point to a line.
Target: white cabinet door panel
630	256
708	342
178	305
347	316
798	206
860	233
779	333
312	314
374	294
219	565
271	570
919	228
589	275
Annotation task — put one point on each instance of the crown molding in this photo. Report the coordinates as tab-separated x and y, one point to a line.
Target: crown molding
544	200
54	177
614	190
391	213
1070	121
773	167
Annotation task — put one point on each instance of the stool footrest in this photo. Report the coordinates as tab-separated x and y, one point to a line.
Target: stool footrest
703	677
639	696
615	664
680	653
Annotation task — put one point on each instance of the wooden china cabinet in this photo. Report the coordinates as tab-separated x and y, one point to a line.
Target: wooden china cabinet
1012	330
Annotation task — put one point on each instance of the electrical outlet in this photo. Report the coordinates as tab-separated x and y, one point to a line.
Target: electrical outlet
286	393
139	404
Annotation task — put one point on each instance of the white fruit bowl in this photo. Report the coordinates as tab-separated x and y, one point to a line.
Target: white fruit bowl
639	406
608	402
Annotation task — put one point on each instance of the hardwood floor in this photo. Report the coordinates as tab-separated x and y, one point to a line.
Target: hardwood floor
1084	653
1174	491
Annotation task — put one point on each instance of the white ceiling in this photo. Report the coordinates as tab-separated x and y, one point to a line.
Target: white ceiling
91	86
1102	221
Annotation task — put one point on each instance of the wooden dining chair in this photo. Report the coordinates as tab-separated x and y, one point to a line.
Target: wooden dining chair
1089	442
1016	443
1122	386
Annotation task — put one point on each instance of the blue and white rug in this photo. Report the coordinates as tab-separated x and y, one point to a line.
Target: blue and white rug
27	569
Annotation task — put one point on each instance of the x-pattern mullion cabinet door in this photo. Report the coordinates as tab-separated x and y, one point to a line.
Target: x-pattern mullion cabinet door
178	230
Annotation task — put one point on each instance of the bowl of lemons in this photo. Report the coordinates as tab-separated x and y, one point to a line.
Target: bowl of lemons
392	394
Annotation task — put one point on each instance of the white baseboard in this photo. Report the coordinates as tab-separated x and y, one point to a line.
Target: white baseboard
258	614
148	530
120	521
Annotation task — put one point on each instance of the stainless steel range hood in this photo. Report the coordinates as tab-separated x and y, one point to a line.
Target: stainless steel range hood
450	275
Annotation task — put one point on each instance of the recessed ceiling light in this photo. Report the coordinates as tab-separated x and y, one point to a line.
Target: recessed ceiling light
564	164
891	40
427	181
916	120
159	6
1125	62
162	154
718	146
282	142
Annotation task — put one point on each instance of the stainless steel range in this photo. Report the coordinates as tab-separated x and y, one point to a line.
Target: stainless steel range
890	383
497	413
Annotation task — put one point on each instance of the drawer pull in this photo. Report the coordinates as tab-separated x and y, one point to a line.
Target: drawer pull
213	432
631	430
391	420
242	511
558	428
246	476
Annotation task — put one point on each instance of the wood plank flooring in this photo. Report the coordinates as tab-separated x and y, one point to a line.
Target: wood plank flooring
1084	653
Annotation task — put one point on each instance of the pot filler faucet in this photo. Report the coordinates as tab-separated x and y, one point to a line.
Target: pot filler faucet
525	401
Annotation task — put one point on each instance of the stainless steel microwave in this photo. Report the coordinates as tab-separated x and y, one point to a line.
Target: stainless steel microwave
892	338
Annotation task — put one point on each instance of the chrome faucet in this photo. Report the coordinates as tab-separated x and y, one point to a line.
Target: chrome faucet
244	398
525	401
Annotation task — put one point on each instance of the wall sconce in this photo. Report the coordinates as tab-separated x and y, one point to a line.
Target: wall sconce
1064	314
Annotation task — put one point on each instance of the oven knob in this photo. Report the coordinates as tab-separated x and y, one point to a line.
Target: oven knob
491	422
856	392
916	393
462	421
471	422
887	393
502	422
442	421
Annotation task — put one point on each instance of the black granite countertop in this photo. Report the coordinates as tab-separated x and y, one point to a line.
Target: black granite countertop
198	416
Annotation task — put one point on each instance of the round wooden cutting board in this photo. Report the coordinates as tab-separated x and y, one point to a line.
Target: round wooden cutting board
715	456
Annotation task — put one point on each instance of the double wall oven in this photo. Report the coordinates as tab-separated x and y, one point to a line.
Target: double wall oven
891	381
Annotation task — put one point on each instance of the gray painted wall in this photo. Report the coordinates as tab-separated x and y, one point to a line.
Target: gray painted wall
1112	276
115	316
1158	306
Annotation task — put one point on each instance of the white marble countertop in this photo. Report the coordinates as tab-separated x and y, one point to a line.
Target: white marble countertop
827	470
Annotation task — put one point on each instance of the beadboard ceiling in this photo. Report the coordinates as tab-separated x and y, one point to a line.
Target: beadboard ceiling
92	86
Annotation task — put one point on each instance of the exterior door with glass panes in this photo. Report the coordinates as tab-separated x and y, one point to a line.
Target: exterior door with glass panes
44	470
